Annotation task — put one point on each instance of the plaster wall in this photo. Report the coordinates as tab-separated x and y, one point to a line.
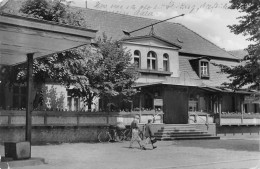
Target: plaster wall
159	50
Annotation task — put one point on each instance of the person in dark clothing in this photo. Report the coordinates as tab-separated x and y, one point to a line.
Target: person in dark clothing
135	133
149	134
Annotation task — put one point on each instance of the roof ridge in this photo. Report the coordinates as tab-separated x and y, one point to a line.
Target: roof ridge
115	13
207	40
233	55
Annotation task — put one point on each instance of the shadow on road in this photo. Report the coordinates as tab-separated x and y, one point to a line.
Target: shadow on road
236	145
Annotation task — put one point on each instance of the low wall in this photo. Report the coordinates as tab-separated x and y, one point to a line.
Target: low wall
238	121
58	126
240	130
51	134
200	119
210	128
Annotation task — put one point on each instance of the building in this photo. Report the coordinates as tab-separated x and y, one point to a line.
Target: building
176	66
177	71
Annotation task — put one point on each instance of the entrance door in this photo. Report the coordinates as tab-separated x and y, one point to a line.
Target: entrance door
176	106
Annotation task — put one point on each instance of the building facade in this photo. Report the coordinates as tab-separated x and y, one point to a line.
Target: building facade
178	76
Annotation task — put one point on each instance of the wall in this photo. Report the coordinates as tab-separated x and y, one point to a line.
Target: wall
48	126
159	48
210	128
242	130
54	95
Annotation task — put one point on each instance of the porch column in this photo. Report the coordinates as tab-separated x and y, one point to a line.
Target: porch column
29	104
140	107
219	104
242	110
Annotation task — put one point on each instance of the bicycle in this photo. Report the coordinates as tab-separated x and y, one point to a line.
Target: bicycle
127	134
111	133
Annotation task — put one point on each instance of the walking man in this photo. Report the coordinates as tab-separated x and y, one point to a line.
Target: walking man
149	134
135	133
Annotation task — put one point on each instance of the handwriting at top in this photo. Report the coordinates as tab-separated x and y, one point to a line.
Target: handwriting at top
148	10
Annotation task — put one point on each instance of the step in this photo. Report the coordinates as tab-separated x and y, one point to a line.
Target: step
194	130
177	125
181	131
179	134
166	127
188	138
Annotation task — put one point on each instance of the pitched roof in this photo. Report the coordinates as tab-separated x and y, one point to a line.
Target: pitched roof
239	53
216	79
113	24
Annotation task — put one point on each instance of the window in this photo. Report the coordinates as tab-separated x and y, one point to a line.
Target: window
151	60
204	69
137	56
19	97
72	102
165	62
201	66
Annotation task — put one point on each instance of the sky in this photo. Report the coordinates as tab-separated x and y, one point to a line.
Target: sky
209	18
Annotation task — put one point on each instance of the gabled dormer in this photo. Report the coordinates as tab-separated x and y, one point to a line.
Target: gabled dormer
201	66
154	55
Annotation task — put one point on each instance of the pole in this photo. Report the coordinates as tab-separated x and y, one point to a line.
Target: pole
29	105
128	33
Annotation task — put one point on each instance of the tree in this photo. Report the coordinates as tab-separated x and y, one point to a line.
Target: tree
248	73
105	71
56	10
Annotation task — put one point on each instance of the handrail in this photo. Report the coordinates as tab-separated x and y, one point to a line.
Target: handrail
195	120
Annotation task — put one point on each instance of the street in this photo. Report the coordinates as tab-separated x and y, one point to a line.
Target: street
195	154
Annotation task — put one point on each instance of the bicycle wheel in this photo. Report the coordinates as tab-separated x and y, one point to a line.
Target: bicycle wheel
128	135
104	136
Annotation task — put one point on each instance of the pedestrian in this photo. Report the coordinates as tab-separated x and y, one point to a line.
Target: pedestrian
149	134
135	133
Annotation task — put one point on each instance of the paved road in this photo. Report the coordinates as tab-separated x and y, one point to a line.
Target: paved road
193	154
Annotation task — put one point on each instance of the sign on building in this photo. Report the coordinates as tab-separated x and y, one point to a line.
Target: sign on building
158	102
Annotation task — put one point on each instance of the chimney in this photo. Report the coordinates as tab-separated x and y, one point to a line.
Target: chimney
86	4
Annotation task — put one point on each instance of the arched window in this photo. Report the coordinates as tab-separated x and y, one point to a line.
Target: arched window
137	57
165	62
151	60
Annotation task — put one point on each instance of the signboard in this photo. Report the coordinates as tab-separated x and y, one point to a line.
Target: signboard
158	102
253	99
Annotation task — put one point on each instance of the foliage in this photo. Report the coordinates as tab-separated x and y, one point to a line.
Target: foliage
247	73
56	10
104	71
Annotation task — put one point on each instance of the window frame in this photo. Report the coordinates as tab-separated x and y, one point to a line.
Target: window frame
137	56
204	68
166	59
19	96
151	58
71	106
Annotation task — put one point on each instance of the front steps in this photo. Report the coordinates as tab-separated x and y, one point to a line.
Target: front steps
182	132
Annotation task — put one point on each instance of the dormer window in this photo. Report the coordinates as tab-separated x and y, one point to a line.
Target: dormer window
201	66
137	56
151	60
204	69
165	62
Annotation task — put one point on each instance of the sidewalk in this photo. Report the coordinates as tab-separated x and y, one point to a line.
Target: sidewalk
192	154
